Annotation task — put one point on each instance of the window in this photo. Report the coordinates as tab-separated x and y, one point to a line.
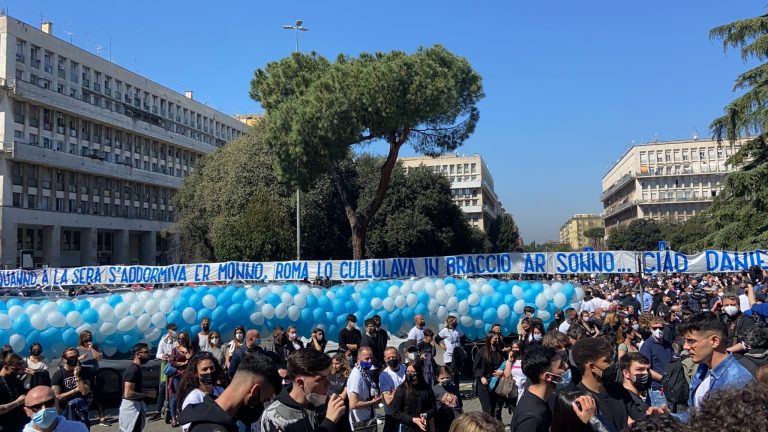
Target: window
74	71
21	47
31	201
17	199
18	112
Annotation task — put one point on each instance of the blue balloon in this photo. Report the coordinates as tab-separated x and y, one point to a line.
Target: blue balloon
194	330
204	313
180	303
494	283
82	305
486	302
318	315
50	336
338	306
115	300
306	315
196	301
568	291
66	307
90	316
530	295
14	302
274	299
462	285
420	309
238	297
21	324
235	311
476	312
249	306
324	303
490	316
174	317
311	301
187	292
70	337
3	307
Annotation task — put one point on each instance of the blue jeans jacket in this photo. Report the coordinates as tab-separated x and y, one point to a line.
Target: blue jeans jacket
728	374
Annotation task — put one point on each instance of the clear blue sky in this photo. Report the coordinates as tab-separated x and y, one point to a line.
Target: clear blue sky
569	85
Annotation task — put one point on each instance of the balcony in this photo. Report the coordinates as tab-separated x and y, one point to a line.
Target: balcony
86	83
618	185
676	199
35	63
611	211
20	58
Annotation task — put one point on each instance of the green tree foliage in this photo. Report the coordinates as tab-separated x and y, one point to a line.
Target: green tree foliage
738	218
638	235
548	246
681	236
261	233
504	234
596	234
317	111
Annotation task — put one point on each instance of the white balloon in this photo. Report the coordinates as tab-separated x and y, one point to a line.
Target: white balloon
17	342
544	315
503	312
209	301
5	321
287	298
389	304
49	308
252	293
143	322
137	309
121	310
96	303
430	286
257	318
15	311
419	286
189	315
294	313
411	300
144	296
432	306
158	320
479	323
519	306
300	301
557	286
441	297
151	306
108	329
450	289
264	292
579	293
549	293
541	301
517	291
400	301
463	307
466	321
153	335
38	321
559	300
277	289
106	313
57	319
473	299
32	309
452	303
166	306
158	294
109	350
126	324
268	310
405	290
86	327
376	303
486	289
281	311
442	313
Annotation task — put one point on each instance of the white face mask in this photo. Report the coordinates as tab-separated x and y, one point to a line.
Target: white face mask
214	341
731	310
239	337
657	333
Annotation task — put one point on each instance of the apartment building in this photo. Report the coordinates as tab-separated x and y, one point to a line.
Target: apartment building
665	181
92	153
471	185
572	231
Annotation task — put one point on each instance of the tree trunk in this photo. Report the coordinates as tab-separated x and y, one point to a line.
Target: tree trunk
358	240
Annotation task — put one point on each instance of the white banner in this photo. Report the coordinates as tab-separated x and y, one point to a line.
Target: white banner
393	268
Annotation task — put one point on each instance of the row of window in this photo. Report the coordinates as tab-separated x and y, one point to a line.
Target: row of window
103	89
680	155
696	167
86	138
127	199
684	182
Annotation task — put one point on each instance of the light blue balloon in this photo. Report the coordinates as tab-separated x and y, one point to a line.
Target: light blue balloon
318	315
490	316
530	296
476	312
50	336
115	300
238	297
194	330
14	302
180	303
338	306
196	301
21	324
204	313
462	294
306	315
3	306
311	301
70	337
568	291
66	307
325	304
486	302
82	305
174	317
274	299
187	292
462	285
91	316
249	306
235	311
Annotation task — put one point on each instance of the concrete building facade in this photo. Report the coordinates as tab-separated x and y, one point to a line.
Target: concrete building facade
92	153
667	181
471	185
572	232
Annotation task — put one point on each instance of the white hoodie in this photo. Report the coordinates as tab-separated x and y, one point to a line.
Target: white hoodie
63	425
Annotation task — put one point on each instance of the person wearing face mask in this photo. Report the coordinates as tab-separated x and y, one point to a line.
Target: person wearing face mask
36	371
603	381
416	334
537	333
251	345
389	380
448	398
659	352
71	383
318	342
214	343
414	402
204	377
12	393
179	359
363	391
238	338
132	409
634	367
90	356
736	322
164	348
203	342
40	407
589	326
626	339
306	407
485	368
513	368
544	368
349	340
451	341
254	383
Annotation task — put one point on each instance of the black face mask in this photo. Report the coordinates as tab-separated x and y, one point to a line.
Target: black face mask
206	378
144	359
413	378
88	339
206	327
251	412
72	361
612	375
394	363
35	352
642	382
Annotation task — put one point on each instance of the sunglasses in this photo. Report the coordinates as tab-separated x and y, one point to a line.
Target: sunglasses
44	404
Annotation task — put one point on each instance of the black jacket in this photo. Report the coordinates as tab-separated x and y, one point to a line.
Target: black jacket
207	417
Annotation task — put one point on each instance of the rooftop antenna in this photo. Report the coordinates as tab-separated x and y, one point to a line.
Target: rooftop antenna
98	49
70	34
695	134
656	137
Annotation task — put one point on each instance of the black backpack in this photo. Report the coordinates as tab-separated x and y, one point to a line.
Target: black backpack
674	383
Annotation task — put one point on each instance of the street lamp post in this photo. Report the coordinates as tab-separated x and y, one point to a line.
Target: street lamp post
298	27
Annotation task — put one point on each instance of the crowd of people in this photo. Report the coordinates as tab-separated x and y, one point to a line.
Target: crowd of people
653	354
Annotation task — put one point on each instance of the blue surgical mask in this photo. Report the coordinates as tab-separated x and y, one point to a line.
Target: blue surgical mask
44	418
566	380
257	342
537	337
365	365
